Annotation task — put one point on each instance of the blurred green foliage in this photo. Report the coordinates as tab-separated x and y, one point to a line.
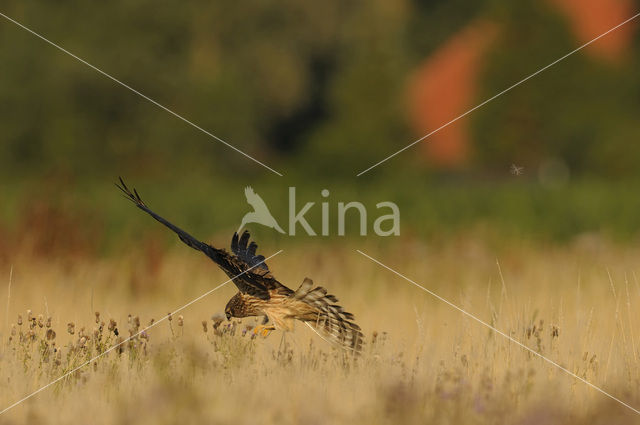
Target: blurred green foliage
316	90
300	85
280	81
583	111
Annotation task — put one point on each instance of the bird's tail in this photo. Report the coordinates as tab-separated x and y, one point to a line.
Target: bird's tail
329	319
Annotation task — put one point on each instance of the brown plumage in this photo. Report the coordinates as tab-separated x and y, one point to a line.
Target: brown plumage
260	294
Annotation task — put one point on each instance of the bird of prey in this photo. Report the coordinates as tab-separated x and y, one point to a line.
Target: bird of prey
260	293
260	213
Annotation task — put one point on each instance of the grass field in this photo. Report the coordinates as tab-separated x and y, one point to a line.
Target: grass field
423	362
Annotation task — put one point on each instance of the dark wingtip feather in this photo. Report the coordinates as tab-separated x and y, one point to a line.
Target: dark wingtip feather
251	249
246	251
133	197
123	187
234	243
244	239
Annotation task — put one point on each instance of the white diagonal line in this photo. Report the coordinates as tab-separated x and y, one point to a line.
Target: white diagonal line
501	93
515	341
175	114
132	336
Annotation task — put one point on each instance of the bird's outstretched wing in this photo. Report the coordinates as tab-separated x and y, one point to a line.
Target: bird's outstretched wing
254	282
247	253
194	243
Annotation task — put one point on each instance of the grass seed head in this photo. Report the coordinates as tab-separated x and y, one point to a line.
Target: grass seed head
120	345
51	334
217	319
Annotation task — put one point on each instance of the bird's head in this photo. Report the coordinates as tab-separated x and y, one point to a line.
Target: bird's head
235	307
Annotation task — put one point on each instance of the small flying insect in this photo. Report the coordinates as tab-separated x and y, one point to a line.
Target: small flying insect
516	170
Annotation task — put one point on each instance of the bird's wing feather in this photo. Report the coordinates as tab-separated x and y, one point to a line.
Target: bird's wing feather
194	243
231	265
246	251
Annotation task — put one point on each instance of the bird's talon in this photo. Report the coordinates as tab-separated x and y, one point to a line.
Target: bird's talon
262	330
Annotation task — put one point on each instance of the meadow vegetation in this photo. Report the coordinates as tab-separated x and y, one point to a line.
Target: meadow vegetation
319	91
423	361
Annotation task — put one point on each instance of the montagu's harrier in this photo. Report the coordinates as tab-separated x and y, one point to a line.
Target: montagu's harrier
260	294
